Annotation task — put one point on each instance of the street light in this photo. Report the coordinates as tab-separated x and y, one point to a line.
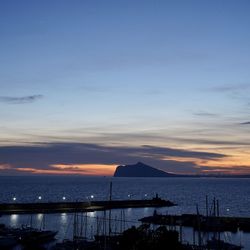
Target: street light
39	197
64	198
14	198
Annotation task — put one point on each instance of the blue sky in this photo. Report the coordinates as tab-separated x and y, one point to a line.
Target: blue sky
132	73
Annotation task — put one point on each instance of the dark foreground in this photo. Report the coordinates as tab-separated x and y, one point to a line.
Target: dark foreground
141	238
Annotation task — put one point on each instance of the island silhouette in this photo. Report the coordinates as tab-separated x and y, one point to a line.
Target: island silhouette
140	170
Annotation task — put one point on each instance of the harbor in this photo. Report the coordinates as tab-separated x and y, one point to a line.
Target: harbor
201	222
132	218
143	236
211	221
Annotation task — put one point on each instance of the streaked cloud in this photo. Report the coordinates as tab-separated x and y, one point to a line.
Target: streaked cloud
245	123
20	100
95	159
5	166
230	170
231	87
205	114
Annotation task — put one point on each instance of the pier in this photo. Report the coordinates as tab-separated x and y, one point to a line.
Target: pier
67	207
201	222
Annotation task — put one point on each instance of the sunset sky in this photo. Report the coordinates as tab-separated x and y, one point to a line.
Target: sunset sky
86	85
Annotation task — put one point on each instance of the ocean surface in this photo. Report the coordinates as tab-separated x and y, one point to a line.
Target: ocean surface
232	193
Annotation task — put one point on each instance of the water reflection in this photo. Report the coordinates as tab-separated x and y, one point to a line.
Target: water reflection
14	220
91	214
64	218
39	217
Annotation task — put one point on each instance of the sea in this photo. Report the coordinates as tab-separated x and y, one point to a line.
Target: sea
233	195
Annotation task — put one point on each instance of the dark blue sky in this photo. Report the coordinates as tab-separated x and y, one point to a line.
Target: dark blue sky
162	73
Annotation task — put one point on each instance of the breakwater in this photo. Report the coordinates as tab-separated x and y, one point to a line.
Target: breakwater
67	207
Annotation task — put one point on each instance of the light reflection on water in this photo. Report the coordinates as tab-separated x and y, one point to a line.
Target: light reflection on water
14	220
39	217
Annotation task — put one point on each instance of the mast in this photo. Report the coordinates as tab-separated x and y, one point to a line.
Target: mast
81	229
110	199
218	214
206	206
214	207
74	226
218	209
86	225
110	191
198	221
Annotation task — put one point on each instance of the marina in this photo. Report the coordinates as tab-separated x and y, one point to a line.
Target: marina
200	222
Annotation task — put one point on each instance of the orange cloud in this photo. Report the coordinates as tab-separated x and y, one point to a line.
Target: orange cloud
80	169
4	166
238	163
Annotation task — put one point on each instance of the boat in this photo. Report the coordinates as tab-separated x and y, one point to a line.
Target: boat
37	237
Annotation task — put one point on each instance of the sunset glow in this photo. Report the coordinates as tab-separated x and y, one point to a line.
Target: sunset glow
79	169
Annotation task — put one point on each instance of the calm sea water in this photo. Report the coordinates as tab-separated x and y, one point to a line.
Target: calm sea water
233	194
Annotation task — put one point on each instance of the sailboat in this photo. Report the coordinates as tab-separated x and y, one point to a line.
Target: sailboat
215	243
32	236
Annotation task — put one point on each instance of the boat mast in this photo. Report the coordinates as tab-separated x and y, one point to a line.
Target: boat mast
110	199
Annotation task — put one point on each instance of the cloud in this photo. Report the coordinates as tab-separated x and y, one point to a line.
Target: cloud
231	87
20	100
162	151
230	170
213	142
202	113
245	123
44	158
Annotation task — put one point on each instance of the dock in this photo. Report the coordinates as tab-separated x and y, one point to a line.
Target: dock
201	222
89	206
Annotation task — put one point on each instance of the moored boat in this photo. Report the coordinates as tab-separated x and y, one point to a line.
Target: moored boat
37	237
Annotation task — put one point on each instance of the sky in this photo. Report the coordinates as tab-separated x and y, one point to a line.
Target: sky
86	85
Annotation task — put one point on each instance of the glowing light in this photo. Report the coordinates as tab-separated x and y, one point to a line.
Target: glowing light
39	197
92	196
14	198
64	198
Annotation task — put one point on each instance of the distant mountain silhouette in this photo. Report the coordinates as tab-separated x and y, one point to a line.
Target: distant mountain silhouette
139	170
